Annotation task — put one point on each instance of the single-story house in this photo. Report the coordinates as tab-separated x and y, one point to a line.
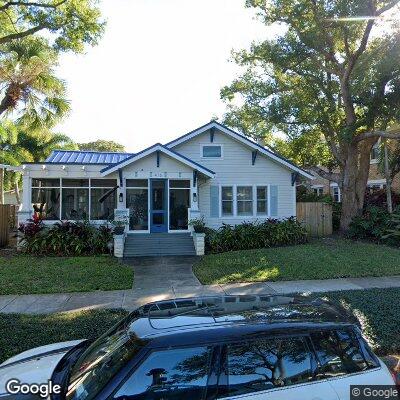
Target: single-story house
211	172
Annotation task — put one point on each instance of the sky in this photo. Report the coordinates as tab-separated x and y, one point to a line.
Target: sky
158	70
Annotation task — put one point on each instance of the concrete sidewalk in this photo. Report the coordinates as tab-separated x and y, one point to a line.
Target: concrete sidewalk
131	299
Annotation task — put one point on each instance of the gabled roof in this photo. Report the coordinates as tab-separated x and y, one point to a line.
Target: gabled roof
153	149
243	139
85	157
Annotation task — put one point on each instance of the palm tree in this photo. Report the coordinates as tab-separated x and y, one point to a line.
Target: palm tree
17	145
28	84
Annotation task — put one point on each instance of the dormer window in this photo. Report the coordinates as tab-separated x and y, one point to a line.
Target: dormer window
211	151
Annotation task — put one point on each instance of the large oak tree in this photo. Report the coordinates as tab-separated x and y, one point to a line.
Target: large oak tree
330	74
69	23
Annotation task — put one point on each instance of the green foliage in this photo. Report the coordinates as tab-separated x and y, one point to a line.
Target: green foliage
65	238
326	258
306	150
27	274
102	145
71	23
247	235
304	195
199	225
324	81
29	87
392	232
372	224
20	332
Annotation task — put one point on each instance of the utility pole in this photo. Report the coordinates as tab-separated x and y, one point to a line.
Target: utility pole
388	178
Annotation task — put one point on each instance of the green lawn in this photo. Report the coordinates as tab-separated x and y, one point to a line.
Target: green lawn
379	313
319	259
377	309
27	274
19	332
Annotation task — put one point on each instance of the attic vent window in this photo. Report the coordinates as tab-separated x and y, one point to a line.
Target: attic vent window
211	151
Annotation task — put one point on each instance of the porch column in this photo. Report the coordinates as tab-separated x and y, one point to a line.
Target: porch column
121	205
194	212
25	209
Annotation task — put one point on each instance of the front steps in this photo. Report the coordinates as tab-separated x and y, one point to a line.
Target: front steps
158	244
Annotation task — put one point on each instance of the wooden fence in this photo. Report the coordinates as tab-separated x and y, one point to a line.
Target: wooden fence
316	217
8	221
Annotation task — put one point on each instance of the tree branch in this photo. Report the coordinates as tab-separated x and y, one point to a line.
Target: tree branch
387	7
395	134
27	4
330	176
22	34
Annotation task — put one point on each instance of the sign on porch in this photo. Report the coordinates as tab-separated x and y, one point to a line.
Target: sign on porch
121	214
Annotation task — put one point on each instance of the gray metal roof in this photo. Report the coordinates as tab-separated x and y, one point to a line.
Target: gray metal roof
85	157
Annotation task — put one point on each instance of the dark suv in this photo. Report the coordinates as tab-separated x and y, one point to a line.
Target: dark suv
252	347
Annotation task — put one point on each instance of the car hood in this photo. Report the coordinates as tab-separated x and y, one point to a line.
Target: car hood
33	366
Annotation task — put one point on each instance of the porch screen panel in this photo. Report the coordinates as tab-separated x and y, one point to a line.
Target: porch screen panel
137	200
75	199
46	198
179	202
103	198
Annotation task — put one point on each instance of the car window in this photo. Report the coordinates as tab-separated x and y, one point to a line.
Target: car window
265	364
170	374
338	353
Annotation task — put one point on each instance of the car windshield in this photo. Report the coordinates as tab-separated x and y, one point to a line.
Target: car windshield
102	360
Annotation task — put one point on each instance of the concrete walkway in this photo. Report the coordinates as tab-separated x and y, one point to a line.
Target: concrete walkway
161	288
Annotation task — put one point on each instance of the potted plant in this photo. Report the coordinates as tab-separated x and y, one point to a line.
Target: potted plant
198	225
119	225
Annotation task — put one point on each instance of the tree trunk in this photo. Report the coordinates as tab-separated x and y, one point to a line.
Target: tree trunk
388	180
16	188
355	179
1	186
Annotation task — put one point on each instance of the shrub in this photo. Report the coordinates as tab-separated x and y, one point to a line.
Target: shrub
372	224
198	224
378	199
391	234
248	235
65	238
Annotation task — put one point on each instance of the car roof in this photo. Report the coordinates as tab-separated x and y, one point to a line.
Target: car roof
224	315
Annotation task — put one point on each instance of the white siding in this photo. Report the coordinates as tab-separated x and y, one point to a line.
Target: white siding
148	164
235	168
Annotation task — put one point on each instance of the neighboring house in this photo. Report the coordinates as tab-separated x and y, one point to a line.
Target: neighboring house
212	172
376	180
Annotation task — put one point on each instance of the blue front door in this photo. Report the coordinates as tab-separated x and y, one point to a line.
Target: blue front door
158	205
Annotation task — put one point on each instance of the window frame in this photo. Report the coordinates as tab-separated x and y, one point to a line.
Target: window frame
211	145
362	348
252	200
232	215
223	374
267	199
148	201
254	214
125	373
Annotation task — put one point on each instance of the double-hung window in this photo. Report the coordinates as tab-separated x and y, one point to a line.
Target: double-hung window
227	200
244	198
262	200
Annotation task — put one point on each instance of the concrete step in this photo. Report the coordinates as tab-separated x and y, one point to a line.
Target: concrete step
158	244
